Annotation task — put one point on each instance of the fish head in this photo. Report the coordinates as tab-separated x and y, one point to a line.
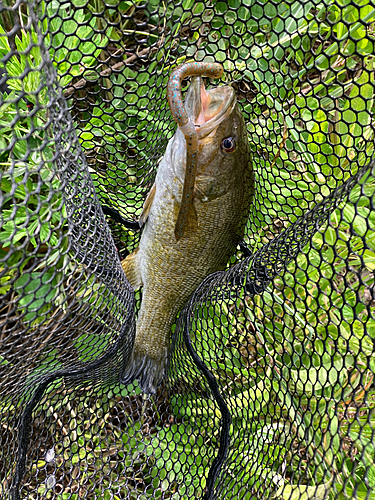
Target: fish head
220	128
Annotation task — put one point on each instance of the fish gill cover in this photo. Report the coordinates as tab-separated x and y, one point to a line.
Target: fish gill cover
268	388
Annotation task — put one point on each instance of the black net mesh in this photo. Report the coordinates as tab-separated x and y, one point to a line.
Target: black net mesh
269	387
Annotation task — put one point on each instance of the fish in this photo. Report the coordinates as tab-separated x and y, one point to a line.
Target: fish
170	268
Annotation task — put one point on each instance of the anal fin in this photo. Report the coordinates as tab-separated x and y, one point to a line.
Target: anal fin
132	269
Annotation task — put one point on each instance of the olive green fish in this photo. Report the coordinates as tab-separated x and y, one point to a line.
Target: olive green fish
171	267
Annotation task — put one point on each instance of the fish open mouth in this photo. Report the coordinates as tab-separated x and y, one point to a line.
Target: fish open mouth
208	108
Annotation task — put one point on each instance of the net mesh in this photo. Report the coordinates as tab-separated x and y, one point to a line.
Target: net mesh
269	389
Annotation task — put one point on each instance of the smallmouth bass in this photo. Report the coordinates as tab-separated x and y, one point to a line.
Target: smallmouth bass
171	268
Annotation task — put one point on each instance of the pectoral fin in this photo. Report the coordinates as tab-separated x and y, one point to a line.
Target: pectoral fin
132	269
147	206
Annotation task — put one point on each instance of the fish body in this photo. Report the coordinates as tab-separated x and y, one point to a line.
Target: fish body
170	270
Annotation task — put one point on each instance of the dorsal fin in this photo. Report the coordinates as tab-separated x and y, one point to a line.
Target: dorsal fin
147	206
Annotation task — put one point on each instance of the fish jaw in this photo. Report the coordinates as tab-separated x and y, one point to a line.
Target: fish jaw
208	108
222	100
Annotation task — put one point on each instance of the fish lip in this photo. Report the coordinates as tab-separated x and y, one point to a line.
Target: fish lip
229	104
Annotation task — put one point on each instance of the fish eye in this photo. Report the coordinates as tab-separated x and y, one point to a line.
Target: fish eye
228	145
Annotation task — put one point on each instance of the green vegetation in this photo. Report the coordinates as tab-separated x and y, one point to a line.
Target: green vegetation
295	364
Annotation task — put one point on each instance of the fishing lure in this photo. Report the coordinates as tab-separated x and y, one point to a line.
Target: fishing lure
187	127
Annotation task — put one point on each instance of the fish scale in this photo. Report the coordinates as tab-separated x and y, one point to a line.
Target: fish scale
170	269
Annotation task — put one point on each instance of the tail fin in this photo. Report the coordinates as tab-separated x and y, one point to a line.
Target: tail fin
147	370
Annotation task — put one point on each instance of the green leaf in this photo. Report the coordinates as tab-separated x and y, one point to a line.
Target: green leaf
317	379
303	492
36	289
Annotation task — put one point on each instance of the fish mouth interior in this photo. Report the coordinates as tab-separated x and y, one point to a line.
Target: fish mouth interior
208	108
